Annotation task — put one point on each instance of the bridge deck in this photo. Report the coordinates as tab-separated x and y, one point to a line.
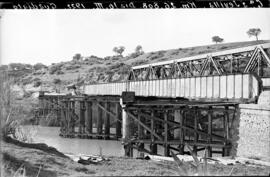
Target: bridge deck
243	87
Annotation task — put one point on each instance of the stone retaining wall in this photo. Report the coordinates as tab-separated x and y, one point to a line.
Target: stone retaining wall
254	129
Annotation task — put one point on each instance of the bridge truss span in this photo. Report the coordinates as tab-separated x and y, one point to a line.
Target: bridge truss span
241	60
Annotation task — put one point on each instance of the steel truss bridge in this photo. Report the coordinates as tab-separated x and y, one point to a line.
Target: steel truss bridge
171	105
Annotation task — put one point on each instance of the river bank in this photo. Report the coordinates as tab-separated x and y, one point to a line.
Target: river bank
40	163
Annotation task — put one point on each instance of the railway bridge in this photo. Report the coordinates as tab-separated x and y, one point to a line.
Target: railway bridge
165	106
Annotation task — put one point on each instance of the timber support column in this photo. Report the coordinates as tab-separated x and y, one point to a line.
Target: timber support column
72	115
209	139
89	118
153	145
126	132
95	114
140	135
107	120
119	118
63	120
166	135
226	150
179	133
196	129
99	120
82	117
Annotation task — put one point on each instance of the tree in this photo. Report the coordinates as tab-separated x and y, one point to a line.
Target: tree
139	50
254	32
119	50
77	57
217	39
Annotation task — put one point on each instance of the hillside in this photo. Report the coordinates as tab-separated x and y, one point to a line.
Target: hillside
29	79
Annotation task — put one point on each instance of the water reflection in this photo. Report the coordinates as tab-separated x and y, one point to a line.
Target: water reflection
50	136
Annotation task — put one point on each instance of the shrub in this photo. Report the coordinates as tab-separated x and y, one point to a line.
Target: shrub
134	55
57	81
3	67
59	72
107	58
37	83
71	67
54	68
139	62
175	52
27	80
39	66
12	114
116	66
223	47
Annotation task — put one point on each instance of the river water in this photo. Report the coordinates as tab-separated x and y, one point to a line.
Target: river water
50	136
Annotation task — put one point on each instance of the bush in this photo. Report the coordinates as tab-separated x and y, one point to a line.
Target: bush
107	58
27	80
39	66
139	62
134	55
223	47
12	114
3	67
59	72
57	81
16	66
54	68
116	66
37	83
39	72
71	67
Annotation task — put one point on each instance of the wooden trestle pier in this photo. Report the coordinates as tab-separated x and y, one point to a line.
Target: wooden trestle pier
170	124
148	124
84	116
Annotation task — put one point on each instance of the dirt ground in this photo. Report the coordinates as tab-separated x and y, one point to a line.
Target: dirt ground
44	163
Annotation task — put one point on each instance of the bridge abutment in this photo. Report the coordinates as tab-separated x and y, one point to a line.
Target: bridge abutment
254	129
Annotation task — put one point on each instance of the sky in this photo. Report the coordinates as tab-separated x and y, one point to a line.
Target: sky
51	36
